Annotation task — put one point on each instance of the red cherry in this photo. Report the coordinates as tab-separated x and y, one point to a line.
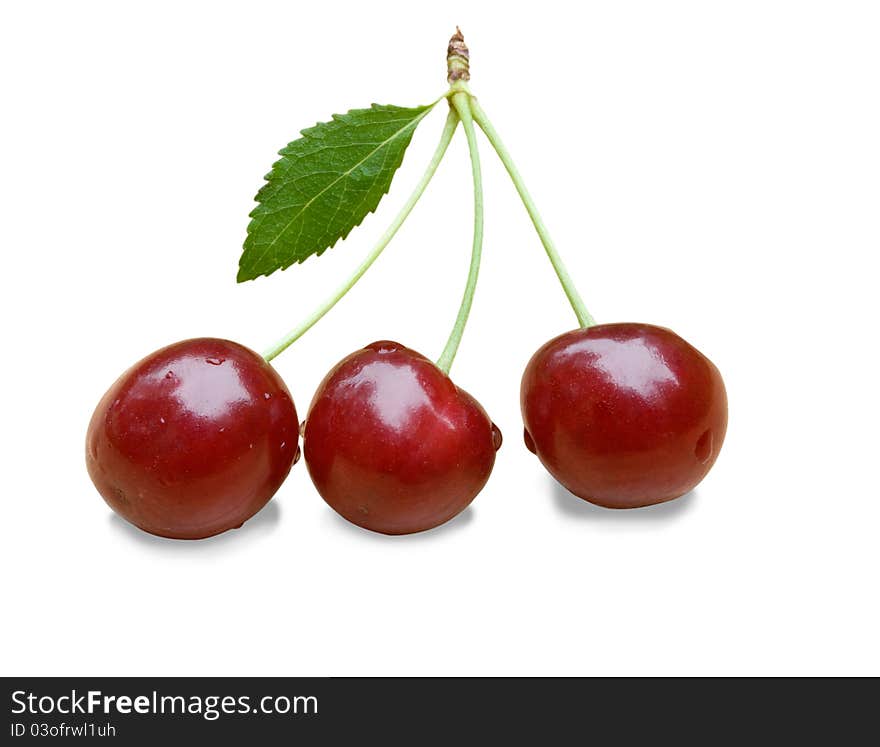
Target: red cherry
193	440
624	415
393	445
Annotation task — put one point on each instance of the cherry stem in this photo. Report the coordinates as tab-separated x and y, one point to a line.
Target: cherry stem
585	319
461	102
310	321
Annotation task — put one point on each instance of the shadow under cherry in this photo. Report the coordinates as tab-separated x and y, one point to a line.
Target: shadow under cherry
455	524
262	523
570	506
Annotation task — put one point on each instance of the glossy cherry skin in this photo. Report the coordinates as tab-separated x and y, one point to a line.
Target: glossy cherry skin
193	440
624	415
393	445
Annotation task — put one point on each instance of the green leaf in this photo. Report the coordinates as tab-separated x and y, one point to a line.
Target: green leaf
325	184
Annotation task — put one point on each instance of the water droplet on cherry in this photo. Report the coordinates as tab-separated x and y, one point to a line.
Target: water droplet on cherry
384	346
215	361
530	444
497	438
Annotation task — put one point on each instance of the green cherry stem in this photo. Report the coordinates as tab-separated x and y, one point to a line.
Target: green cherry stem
307	323
584	317
461	102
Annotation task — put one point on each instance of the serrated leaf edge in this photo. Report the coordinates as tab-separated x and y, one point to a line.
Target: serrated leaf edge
306	134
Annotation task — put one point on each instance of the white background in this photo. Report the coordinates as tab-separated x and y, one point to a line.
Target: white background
712	167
